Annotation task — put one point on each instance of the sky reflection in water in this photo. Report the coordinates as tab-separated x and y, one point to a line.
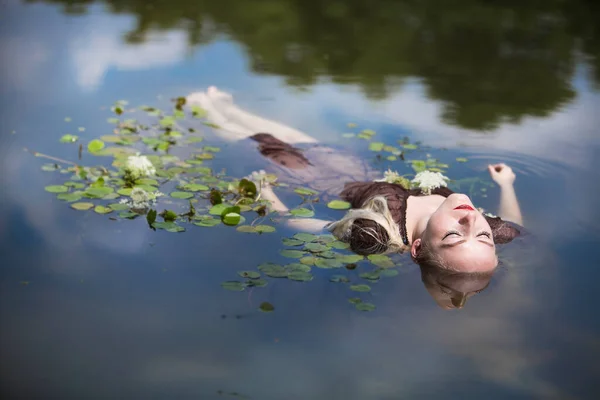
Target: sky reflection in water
114	309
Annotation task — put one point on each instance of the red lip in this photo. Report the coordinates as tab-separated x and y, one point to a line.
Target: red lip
465	207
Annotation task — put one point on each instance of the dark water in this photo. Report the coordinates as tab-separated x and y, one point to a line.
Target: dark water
115	310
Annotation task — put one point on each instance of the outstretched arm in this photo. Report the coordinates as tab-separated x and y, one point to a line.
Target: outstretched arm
304	224
504	176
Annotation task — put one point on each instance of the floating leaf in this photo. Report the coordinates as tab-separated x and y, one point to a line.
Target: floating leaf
365	306
169	215
297	267
69	138
231	218
339	245
118	206
169	226
207	221
249	274
56	189
376	146
128	214
388	273
462	159
247	188
292	242
308	260
98	192
372	275
125	191
236	286
266	307
218	209
305	191
194	187
82	206
351	125
67	119
315	247
264	228
181	195
102	210
167	121
338	205
355	300
69	196
360	288
300	276
146	181
410	146
151	217
95	145
257	283
306	237
368	132
291	253
302	212
273	270
381	260
328	263
339	279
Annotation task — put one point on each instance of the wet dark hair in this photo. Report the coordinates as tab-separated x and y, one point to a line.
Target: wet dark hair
368	237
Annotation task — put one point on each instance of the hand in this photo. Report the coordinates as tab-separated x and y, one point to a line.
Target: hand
502	174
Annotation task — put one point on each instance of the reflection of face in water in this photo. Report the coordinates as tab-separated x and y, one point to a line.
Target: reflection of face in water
451	289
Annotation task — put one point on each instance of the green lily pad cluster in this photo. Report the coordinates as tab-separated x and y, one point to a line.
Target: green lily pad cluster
309	251
193	194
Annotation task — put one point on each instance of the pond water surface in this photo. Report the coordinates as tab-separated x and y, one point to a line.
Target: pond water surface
92	307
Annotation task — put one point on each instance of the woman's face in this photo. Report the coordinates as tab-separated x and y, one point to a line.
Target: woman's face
460	234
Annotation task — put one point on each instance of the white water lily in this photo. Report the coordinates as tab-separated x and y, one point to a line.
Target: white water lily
428	180
141	199
139	166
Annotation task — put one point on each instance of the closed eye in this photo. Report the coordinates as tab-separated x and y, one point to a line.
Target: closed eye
449	233
486	234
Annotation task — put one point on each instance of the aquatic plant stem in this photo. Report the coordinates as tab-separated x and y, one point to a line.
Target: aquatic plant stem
37	154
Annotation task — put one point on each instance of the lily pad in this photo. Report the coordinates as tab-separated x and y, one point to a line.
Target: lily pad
410	146
218	209
69	138
82	206
128	214
381	260
168	226
389	273
306	237
365	306
273	270
316	247
302	212
292	253
257	283
300	276
181	195
194	187
339	205
235	286
266	307
360	288
69	197
328	263
98	192
102	210
292	242
249	274
338	245
462	159
355	300
125	191
376	146
95	146
118	206
371	275
56	189
297	267
231	218
305	191
207	222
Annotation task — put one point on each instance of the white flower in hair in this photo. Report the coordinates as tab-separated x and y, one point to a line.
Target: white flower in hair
138	166
428	180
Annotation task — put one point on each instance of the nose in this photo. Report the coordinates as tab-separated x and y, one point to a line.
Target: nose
467	217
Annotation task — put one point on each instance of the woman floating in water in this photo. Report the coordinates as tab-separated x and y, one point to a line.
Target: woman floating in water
453	242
